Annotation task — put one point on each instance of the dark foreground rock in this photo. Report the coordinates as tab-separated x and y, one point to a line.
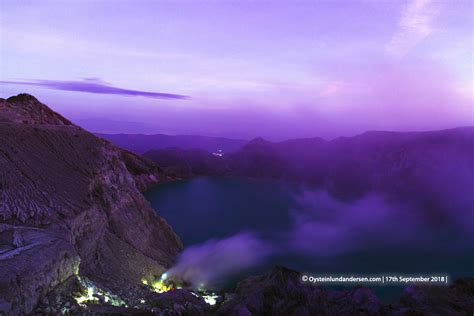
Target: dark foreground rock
278	292
457	299
70	204
281	292
181	302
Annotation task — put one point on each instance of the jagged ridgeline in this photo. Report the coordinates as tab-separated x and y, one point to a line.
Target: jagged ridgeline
70	203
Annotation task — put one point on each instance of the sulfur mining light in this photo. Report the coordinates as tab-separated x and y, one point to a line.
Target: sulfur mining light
90	292
210	299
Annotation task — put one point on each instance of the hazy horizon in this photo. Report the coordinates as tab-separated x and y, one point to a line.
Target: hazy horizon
243	69
314	136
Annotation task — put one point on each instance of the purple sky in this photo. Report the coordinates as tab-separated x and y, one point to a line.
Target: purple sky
276	69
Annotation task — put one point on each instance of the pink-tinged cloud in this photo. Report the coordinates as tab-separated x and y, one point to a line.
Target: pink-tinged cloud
415	24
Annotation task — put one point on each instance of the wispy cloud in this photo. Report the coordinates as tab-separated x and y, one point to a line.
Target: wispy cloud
414	25
93	85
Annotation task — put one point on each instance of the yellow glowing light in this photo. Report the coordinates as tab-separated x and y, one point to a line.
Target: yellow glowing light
81	299
86	298
90	293
142	301
144	281
160	287
210	299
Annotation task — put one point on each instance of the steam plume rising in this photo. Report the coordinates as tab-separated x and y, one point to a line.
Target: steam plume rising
211	262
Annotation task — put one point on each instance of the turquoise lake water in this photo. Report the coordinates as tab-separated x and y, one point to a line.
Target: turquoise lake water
205	208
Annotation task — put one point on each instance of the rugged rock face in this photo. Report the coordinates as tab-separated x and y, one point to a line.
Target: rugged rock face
144	171
26	109
31	268
70	200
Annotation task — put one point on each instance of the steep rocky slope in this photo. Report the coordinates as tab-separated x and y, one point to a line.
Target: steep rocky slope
70	203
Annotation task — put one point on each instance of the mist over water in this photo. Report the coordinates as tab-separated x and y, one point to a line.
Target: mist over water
325	226
213	261
273	223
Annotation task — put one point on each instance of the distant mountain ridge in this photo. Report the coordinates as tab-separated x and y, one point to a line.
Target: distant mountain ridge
395	163
141	143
